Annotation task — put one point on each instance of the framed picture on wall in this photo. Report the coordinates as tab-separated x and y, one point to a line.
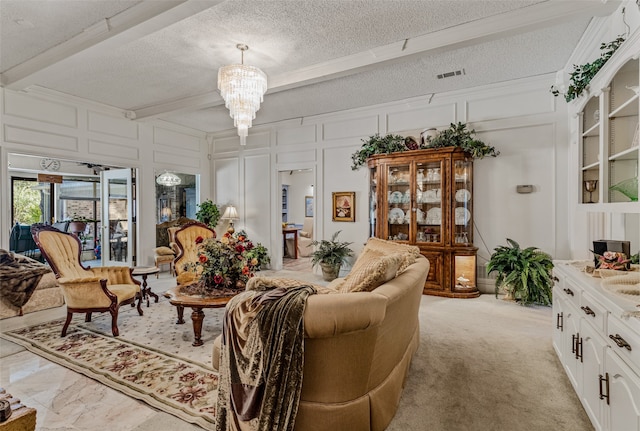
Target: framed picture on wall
308	206
344	206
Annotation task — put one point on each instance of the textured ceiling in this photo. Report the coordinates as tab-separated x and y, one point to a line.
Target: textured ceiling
160	58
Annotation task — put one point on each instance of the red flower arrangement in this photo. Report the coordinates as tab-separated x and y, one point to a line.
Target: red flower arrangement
223	264
613	260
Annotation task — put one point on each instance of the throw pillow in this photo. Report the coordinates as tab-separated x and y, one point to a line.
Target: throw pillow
371	270
305	234
410	252
163	251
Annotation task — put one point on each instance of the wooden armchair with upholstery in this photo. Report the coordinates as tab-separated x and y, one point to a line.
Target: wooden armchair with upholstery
85	290
305	238
185	239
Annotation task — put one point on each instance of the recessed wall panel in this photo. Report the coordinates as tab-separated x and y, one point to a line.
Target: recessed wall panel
24	106
226	145
296	135
110	149
177	159
438	116
296	156
110	125
176	140
19	135
349	128
256	140
226	175
257	203
509	106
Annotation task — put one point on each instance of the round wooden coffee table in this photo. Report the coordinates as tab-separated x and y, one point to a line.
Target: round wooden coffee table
197	303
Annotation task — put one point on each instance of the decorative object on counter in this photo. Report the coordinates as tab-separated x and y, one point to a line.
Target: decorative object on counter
615	260
629	188
524	274
208	213
590	186
583	74
427	136
330	255
457	135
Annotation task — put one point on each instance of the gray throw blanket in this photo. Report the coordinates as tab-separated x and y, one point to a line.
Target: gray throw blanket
19	277
261	360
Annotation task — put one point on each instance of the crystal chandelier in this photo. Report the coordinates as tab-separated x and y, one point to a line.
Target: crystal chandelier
168	179
242	88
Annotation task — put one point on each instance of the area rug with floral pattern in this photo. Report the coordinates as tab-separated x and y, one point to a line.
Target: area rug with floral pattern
152	360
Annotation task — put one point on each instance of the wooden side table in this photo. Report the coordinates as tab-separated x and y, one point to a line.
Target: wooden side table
22	418
197	303
144	272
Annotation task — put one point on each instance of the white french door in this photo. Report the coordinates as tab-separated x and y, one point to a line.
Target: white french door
118	217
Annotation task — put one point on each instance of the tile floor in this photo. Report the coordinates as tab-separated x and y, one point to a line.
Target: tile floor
66	400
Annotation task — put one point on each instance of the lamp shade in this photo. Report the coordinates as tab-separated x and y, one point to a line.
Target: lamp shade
230	213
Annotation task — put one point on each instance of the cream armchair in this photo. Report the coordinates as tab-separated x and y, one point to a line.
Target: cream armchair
305	238
185	239
85	290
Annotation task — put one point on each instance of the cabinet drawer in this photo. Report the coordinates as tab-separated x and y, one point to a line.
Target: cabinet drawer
592	312
570	292
624	341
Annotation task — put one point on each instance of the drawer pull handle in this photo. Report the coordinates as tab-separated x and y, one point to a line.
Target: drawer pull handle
621	342
588	311
604	379
568	291
560	321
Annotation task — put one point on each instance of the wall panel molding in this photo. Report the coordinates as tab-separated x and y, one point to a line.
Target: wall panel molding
18	135
110	125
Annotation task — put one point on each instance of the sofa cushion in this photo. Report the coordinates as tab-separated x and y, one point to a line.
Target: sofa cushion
410	252
372	269
304	234
163	251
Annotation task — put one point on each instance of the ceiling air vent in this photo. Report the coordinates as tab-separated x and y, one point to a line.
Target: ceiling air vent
450	74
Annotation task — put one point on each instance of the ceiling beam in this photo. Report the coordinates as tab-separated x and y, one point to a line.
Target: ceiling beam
129	25
521	20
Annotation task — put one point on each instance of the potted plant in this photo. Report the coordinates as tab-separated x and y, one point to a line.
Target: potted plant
77	223
208	213
330	255
524	274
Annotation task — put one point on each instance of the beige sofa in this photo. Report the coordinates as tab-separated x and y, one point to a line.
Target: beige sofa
357	352
47	293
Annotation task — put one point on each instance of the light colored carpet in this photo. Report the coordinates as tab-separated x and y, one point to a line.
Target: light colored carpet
482	364
486	364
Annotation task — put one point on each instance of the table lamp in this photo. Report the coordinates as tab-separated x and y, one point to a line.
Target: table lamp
231	214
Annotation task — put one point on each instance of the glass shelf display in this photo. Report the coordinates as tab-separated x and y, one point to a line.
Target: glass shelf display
425	198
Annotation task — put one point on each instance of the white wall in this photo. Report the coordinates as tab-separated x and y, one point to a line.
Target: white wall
48	124
521	118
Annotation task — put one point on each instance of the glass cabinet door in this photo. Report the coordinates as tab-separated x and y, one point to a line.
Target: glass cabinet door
429	195
373	201
463	194
399	202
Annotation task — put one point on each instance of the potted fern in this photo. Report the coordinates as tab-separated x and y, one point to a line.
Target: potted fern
330	255
524	274
208	213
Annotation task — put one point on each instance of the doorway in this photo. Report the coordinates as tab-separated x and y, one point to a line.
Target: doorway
67	194
298	217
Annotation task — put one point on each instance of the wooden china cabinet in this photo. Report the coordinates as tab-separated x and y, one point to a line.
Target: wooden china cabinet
425	198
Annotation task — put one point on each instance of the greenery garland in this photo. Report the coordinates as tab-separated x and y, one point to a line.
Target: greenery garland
456	135
582	75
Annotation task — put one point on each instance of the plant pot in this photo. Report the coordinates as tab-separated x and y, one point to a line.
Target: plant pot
329	272
77	226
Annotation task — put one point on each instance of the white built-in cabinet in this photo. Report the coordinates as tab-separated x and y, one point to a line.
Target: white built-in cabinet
599	348
607	117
